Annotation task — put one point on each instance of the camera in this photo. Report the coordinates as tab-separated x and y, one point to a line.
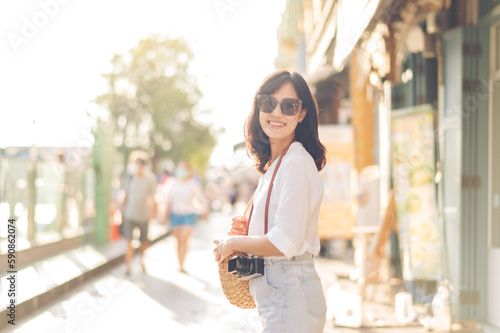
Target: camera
246	268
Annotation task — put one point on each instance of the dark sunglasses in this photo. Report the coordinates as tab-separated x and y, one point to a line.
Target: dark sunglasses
289	106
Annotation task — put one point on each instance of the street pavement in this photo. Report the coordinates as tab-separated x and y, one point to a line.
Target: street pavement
166	300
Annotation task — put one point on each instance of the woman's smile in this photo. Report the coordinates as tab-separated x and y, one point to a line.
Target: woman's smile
276	124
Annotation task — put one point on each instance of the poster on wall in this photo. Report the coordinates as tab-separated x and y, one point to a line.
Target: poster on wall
413	171
336	214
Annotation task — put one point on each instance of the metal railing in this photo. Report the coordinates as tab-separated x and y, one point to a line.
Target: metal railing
49	200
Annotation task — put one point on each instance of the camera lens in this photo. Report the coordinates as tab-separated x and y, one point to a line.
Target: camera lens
240	266
244	266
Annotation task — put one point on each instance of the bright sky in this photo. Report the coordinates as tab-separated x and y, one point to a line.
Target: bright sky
52	53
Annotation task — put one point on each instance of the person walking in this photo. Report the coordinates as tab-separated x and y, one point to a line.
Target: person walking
185	200
282	137
139	207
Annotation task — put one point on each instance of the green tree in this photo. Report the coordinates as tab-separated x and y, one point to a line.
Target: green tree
152	98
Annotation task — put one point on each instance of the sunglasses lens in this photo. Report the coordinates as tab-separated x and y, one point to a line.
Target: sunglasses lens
290	107
267	103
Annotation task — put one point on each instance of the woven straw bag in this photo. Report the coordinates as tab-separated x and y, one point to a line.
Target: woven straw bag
238	291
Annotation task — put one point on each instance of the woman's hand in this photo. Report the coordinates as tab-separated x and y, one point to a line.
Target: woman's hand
222	249
239	226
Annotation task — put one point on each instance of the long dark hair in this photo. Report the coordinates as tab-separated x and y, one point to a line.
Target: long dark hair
257	142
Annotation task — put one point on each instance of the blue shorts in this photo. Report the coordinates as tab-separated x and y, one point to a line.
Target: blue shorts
182	220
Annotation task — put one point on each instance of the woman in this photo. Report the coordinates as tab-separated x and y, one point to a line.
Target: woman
283	125
184	200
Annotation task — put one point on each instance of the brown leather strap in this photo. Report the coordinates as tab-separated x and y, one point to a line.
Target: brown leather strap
268	193
249	205
251	211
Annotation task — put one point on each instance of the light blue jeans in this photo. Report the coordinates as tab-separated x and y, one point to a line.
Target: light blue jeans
289	296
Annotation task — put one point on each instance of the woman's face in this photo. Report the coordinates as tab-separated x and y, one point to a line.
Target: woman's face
277	125
183	171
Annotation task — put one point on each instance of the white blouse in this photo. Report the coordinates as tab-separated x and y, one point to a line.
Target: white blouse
294	204
185	197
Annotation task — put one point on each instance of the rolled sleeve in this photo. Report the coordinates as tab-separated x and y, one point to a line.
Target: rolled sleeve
279	239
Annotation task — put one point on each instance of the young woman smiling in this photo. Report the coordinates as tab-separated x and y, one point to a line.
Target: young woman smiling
282	136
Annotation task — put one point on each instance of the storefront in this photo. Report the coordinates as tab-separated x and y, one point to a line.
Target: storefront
456	72
489	75
469	141
444	55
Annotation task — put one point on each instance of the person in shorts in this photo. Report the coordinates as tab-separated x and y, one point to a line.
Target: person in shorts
138	208
185	201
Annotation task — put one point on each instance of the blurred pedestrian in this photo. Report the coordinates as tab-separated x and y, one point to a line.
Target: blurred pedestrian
232	193
282	135
139	207
164	177
185	201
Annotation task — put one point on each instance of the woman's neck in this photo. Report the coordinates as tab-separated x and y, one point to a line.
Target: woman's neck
277	147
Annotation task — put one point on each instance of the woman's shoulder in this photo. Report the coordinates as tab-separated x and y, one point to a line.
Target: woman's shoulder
298	156
297	151
299	168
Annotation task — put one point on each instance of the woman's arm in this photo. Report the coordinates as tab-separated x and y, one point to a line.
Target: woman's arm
256	245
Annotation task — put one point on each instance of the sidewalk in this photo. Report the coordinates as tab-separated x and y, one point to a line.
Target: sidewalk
43	281
377	307
97	297
377	313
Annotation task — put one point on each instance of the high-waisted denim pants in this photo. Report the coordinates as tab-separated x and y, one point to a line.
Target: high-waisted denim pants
289	296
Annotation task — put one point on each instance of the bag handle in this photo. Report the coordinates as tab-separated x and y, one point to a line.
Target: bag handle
250	203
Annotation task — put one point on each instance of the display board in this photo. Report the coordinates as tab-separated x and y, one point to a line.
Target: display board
413	172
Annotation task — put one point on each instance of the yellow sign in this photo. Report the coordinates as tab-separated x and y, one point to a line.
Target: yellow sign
336	215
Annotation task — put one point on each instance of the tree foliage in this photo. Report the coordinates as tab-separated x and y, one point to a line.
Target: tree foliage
152	98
